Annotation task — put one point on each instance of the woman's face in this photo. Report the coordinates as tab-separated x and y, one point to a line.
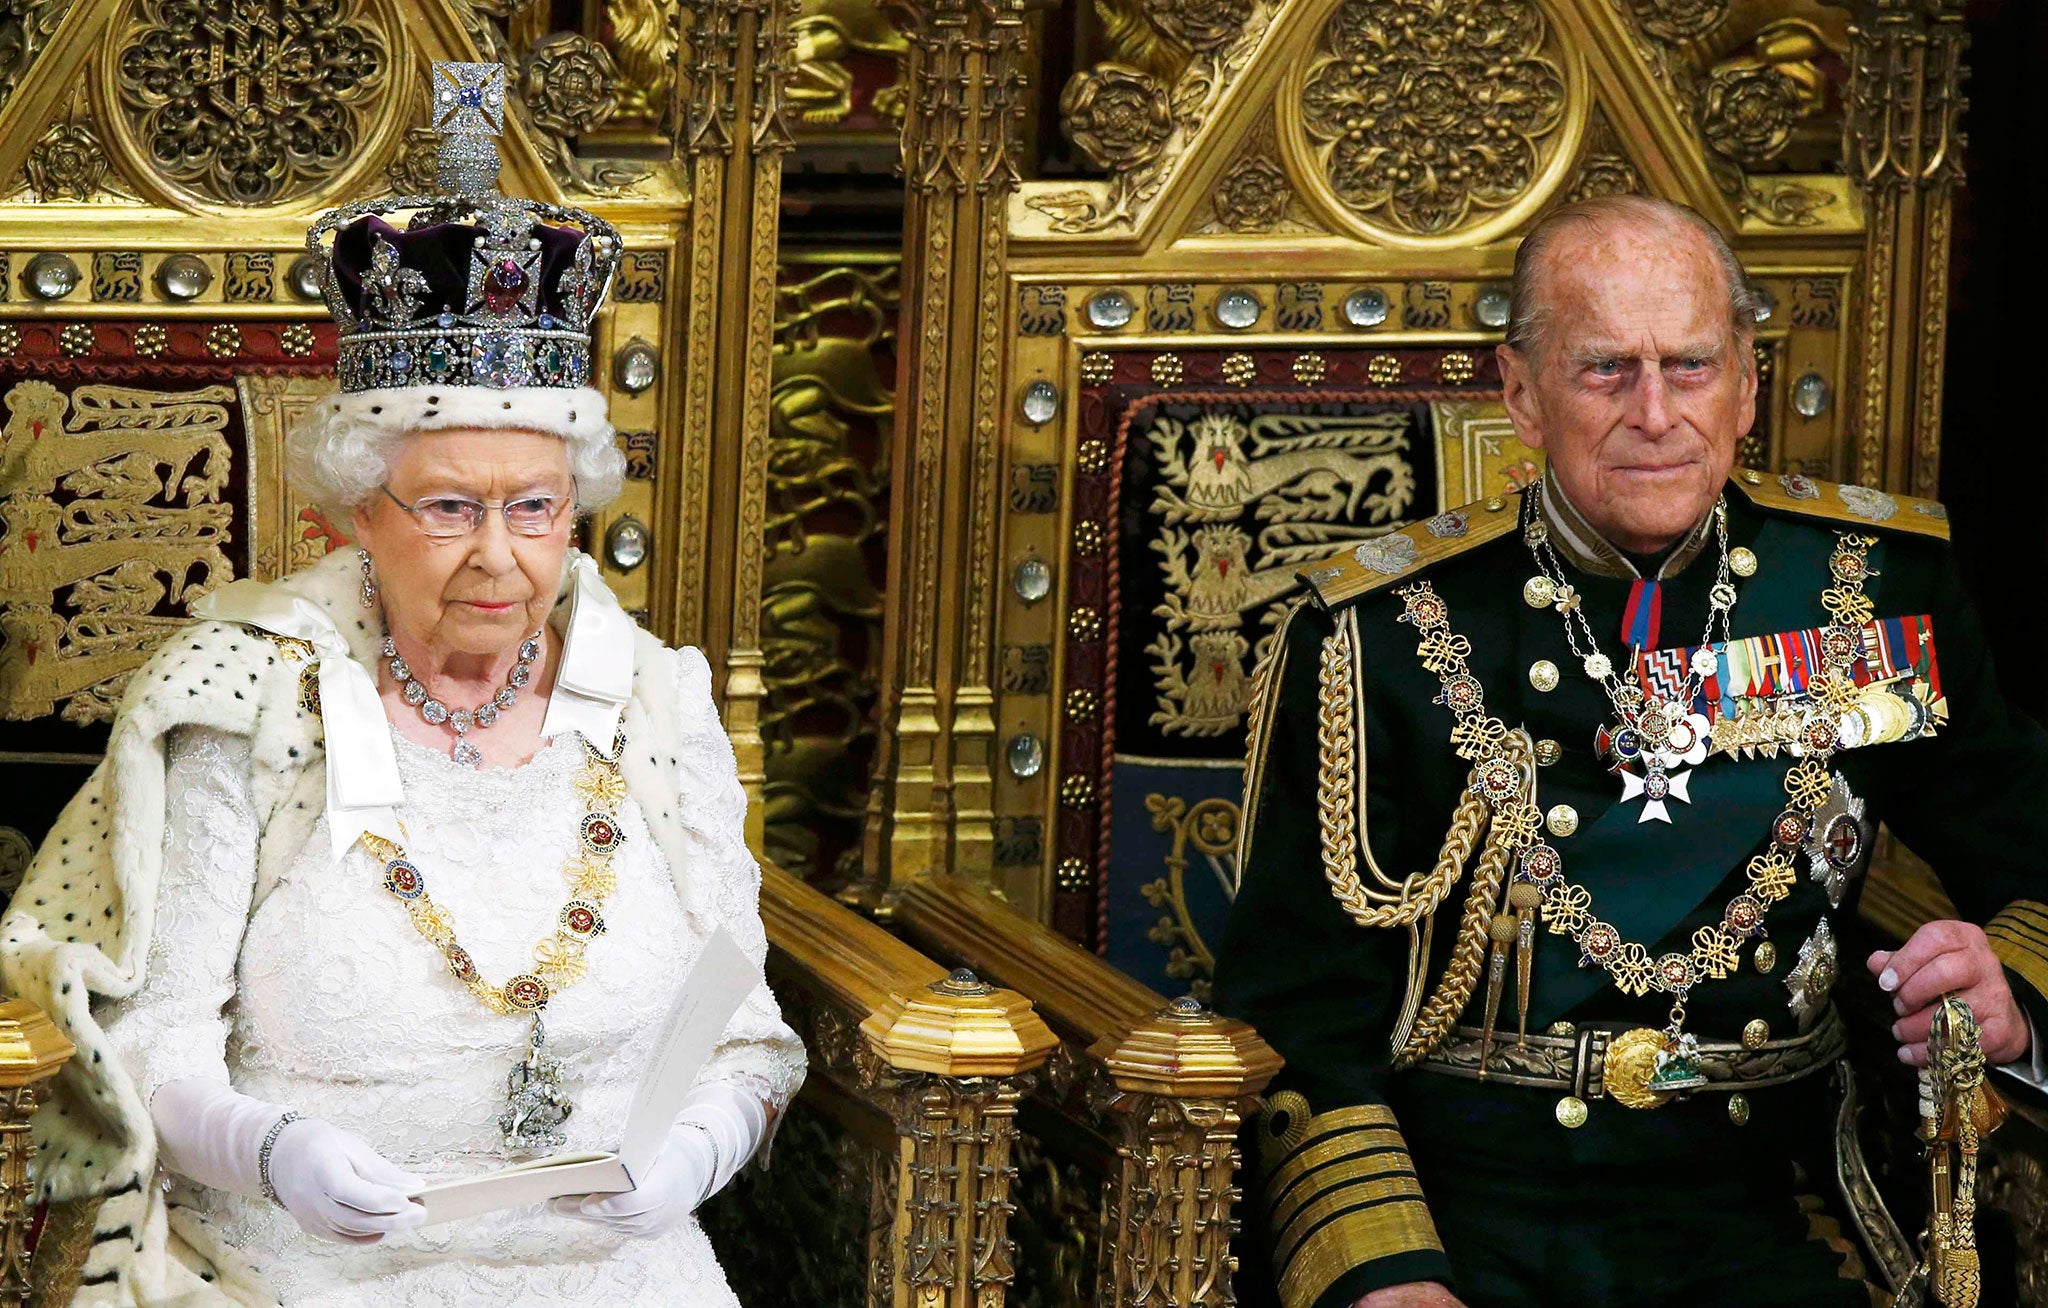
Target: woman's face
484	591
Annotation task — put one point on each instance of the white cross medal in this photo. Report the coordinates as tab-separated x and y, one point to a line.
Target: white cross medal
1667	770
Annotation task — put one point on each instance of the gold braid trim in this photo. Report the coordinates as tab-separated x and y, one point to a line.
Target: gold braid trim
1454	990
1266	677
1336	808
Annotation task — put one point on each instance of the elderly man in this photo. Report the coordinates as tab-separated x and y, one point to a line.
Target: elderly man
1558	805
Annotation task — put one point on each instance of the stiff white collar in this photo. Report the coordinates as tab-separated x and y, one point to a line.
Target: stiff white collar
592	684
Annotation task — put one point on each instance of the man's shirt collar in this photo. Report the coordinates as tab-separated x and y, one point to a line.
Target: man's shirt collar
1580	545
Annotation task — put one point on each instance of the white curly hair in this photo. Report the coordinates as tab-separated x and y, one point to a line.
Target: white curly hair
340	449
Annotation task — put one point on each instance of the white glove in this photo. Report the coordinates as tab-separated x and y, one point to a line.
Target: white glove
715	1134
333	1183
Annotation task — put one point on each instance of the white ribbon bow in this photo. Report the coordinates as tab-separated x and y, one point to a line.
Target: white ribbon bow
595	678
362	768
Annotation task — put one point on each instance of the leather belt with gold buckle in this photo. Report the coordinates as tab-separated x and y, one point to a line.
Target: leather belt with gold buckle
1594	1061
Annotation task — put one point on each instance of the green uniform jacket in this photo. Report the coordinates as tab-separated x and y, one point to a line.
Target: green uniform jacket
1343	1203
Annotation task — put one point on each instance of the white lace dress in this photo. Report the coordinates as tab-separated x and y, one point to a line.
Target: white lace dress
324	999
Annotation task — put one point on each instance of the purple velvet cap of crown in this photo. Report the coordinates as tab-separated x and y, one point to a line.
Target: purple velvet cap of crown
441	253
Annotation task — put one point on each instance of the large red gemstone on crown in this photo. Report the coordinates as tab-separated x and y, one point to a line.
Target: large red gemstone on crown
503	285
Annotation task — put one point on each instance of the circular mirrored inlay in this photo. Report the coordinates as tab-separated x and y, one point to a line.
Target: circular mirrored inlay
1810	395
1490	307
626	543
183	277
1041	400
1766	303
51	276
1032	580
636	366
307	272
1366	307
1109	309
1026	755
1237	308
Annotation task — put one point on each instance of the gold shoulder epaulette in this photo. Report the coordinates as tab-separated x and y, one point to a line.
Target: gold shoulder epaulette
1405	553
1793	492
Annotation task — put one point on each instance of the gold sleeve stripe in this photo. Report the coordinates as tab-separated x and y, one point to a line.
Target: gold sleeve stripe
1339	1131
1320	1145
1337	1172
1356	1196
2019	936
1340	1184
1306	1168
1350	1238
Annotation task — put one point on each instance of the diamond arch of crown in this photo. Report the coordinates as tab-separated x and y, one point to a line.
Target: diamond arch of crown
1530	162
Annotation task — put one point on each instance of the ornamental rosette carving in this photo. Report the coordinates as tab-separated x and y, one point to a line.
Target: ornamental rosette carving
253	102
67	163
1747	114
1420	113
1253	196
1679	20
570	84
1201	25
1118	116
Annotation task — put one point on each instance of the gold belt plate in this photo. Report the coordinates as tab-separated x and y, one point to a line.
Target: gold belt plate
1630	1063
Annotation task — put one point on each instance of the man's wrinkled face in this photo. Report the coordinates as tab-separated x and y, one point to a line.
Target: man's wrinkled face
1639	388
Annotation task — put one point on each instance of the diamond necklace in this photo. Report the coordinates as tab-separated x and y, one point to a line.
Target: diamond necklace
1662	733
436	713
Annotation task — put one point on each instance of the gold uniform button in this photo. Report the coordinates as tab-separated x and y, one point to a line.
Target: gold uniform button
1571	1112
1738	1109
1543	675
1755	1033
1742	561
1539	592
1548	752
1766	956
1562	820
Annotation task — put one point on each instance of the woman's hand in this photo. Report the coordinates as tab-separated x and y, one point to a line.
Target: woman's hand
715	1134
338	1188
1416	1294
680	1179
333	1183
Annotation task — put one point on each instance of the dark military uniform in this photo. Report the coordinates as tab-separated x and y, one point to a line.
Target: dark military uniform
1371	1176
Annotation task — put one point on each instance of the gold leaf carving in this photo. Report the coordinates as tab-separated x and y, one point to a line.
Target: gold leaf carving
1423	118
203	92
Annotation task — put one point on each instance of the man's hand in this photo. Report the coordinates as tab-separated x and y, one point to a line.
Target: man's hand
1943	957
1416	1294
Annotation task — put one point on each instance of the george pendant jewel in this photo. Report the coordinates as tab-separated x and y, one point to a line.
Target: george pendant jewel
536	1105
462	721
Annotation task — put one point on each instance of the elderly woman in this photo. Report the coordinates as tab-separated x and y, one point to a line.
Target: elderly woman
377	837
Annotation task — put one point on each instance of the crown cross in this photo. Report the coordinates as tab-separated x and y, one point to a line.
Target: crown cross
469	114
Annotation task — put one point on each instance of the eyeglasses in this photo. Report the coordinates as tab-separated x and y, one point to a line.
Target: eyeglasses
447	516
